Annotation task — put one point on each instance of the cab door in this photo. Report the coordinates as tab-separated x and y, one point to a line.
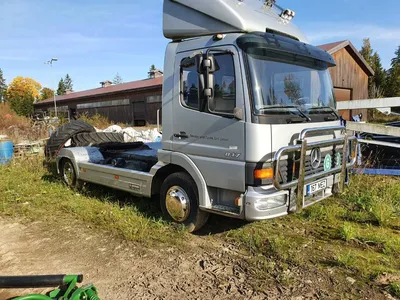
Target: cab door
214	140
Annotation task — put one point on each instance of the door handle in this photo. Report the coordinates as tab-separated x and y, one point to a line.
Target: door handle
181	135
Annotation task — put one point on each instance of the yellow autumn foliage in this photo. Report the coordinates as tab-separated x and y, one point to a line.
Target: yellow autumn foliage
21	86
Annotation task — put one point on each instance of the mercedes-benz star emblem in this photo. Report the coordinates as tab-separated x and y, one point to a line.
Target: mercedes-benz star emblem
316	158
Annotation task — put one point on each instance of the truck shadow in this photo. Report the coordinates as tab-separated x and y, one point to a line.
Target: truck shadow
148	208
217	224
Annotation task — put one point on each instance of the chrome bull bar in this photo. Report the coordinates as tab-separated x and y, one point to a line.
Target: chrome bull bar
303	146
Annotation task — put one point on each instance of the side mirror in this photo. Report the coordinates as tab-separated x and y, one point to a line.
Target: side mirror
206	66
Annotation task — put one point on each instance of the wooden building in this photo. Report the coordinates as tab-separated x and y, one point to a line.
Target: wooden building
350	76
134	103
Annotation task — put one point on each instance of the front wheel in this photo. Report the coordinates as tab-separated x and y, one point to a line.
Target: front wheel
180	201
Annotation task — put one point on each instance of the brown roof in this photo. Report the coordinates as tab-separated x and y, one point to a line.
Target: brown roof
123	87
335	47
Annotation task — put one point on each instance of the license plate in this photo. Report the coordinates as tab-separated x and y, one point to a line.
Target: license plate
316	187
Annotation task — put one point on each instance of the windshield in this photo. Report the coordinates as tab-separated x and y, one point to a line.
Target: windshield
288	78
283	84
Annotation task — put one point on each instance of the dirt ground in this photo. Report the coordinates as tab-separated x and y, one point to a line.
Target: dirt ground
119	269
125	270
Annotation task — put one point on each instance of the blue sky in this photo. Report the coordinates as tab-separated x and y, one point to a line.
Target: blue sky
94	40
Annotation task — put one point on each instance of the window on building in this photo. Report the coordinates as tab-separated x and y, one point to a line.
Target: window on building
103	104
224	85
153	99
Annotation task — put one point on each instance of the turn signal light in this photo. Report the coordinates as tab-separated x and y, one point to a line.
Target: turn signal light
264	174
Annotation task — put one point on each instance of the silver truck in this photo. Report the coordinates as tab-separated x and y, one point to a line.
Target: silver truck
250	127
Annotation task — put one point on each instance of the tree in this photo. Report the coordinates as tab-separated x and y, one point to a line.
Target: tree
379	79
61	90
293	90
392	88
21	86
22	104
376	83
46	93
22	93
68	84
366	51
3	87
151	71
117	79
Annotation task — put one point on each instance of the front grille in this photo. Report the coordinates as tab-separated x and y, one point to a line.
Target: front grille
289	167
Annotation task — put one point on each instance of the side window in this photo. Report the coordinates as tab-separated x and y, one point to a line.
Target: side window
190	86
224	84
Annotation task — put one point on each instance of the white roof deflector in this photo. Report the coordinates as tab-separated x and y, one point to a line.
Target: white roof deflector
192	18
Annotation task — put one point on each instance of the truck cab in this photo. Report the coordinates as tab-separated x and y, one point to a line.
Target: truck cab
250	127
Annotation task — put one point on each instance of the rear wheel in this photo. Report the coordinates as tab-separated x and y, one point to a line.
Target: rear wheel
180	201
69	175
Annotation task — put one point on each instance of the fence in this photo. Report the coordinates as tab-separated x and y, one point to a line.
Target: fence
384	105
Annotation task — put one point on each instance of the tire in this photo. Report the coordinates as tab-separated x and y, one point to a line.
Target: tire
176	186
96	138
63	134
68	174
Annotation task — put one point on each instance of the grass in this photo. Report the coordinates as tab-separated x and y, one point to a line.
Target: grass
394	289
347	231
378	117
29	190
356	234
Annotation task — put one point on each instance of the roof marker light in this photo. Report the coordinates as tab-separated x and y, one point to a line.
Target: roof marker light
288	14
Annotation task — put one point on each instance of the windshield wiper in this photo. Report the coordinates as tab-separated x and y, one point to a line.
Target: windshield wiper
332	111
303	115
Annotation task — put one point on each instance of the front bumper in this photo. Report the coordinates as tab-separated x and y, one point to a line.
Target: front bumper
277	200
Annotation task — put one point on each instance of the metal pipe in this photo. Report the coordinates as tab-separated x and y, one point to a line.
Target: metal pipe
309	178
158	120
330	129
302	172
344	162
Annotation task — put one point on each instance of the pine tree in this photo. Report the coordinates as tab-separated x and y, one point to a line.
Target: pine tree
366	51
3	87
393	81
378	81
152	70
117	79
68	83
61	87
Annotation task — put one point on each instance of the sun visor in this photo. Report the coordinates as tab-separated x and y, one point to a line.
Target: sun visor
269	42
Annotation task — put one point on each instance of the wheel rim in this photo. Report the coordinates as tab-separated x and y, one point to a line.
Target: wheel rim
68	173
177	203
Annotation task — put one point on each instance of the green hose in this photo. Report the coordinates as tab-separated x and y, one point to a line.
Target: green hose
33	297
